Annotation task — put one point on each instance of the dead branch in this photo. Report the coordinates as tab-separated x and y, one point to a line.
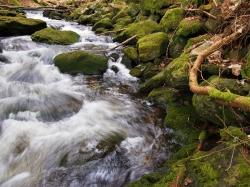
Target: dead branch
235	100
123	43
202	11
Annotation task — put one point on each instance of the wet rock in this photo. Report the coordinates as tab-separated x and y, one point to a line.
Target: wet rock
131	53
8	13
114	56
81	62
145	71
172	18
53	36
103	23
139	29
152	46
4	59
217	113
12	26
115	69
53	14
164	95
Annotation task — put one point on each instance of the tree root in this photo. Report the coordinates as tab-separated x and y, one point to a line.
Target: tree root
230	99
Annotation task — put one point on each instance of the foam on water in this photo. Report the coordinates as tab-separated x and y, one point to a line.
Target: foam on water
57	131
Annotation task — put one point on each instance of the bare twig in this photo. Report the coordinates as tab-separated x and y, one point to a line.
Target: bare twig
204	12
123	43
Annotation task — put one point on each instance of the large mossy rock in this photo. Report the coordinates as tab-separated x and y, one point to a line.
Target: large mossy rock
131	53
53	36
174	75
172	18
105	23
189	27
145	71
154	6
139	29
220	114
81	62
14	26
152	46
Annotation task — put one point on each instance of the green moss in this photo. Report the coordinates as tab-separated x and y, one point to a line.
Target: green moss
176	73
189	27
139	29
176	46
171	19
138	70
245	72
154	6
225	96
229	134
145	71
219	114
131	53
19	26
163	96
53	36
81	62
152	83
8	13
103	23
196	40
182	119
152	46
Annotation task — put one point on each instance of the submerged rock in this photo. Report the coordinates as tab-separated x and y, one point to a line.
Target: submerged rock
152	46
14	26
53	36
81	62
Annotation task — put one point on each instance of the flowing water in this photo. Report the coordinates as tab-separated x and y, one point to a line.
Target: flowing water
62	130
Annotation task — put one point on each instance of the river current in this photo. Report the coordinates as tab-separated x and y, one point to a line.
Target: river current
58	130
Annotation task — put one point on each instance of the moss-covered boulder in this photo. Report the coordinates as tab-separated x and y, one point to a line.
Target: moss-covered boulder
217	113
103	23
172	18
14	26
53	36
81	62
152	46
189	27
176	46
8	13
154	6
145	71
164	95
139	29
131	53
176	73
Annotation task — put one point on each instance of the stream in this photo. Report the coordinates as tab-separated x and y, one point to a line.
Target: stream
58	130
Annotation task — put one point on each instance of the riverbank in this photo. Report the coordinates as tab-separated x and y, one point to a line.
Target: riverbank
210	126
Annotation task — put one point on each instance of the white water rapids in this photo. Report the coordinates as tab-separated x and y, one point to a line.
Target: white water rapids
62	131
